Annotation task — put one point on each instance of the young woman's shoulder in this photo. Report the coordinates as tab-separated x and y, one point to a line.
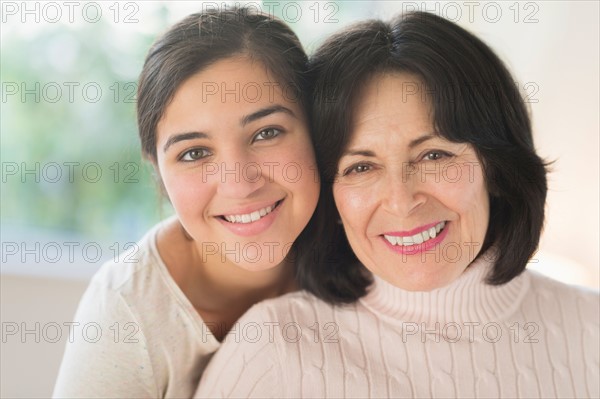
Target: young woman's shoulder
140	269
141	337
109	356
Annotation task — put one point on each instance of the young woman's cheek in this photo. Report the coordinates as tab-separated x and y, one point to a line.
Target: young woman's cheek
187	190
294	163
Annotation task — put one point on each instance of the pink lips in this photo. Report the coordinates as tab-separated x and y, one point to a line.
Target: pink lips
253	228
417	248
413	231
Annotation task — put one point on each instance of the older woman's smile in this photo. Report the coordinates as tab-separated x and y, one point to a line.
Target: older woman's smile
409	238
426	238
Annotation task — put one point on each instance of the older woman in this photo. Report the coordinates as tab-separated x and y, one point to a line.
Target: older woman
426	148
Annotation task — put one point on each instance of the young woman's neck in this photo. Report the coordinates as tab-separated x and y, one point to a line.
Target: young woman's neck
230	282
223	291
212	283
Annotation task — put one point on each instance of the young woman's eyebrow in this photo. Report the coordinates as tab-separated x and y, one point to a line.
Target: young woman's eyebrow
184	136
261	113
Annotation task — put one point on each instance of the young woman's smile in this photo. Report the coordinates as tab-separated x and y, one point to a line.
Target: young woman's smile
225	145
252	221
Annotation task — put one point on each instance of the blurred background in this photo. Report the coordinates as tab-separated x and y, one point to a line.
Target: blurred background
75	191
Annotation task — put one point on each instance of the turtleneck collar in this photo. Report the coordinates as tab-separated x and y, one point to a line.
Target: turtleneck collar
467	299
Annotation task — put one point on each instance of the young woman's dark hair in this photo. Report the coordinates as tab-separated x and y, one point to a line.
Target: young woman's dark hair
474	100
200	40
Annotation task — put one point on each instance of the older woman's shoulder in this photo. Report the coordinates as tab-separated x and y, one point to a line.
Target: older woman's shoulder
583	300
298	303
300	311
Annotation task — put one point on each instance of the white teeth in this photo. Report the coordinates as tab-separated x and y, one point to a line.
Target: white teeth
249	217
439	226
391	239
418	238
432	232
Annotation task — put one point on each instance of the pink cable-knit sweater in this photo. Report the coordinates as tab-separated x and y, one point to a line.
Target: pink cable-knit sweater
532	337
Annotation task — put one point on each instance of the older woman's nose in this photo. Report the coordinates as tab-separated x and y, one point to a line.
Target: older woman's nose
401	194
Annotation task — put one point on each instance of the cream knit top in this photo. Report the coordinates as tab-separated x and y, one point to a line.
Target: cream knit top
532	337
143	338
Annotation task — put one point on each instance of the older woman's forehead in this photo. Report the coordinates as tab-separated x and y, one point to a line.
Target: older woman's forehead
384	103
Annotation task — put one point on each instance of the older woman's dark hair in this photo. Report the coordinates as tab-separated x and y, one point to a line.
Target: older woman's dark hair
202	39
474	100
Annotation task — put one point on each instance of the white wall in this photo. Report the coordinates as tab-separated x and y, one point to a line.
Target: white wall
30	360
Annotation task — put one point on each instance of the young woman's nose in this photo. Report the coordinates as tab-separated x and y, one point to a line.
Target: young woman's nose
240	176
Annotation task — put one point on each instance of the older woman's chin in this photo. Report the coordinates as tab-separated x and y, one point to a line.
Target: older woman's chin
416	273
424	277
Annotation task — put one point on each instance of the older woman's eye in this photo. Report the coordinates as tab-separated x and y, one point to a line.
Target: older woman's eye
194	155
436	155
358	168
267	134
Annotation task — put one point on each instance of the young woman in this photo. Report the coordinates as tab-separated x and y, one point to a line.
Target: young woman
425	146
223	117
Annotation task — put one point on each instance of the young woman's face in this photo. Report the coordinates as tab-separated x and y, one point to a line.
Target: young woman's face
414	205
235	157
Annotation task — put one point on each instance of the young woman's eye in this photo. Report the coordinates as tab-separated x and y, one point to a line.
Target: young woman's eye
194	155
267	134
357	169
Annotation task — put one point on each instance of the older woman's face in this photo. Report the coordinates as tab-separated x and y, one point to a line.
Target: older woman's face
414	205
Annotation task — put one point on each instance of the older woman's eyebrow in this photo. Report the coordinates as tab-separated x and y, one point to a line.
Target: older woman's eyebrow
369	153
184	136
364	153
421	140
261	113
